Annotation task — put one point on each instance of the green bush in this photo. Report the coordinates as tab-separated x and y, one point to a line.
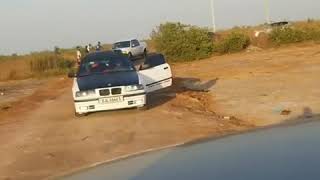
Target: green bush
287	35
49	62
180	42
234	42
312	34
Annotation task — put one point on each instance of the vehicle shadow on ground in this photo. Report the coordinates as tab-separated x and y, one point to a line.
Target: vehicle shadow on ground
180	85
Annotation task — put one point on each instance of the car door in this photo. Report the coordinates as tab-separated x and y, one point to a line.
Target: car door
136	48
155	74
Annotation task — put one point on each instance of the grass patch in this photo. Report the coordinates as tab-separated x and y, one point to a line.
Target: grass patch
42	64
50	62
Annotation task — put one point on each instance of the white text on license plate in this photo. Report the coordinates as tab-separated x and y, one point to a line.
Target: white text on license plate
110	100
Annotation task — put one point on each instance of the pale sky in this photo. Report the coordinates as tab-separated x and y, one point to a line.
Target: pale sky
34	25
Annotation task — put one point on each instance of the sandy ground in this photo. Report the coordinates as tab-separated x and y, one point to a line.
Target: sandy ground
40	136
259	86
14	90
45	139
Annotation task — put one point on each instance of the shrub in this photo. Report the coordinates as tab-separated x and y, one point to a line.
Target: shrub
180	42
234	42
287	35
48	62
312	34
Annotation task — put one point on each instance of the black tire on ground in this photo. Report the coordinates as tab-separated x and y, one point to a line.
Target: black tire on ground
78	115
130	56
143	108
145	54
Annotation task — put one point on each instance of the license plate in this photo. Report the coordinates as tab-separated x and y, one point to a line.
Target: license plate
111	100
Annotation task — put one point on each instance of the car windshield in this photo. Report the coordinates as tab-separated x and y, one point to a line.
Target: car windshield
105	63
123	44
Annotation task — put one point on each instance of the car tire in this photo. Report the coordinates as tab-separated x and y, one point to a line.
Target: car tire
80	115
142	108
145	54
130	56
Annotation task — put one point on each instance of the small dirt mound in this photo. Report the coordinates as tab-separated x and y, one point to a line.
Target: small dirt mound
194	102
191	94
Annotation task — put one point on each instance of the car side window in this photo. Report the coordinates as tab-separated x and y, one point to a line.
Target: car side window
135	43
153	61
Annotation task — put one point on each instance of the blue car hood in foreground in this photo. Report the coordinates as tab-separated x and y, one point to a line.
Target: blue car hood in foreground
96	81
280	153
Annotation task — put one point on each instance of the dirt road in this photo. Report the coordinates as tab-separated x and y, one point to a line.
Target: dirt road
259	86
40	136
46	139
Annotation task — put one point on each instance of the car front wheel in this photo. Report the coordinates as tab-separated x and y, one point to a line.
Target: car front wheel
79	115
130	56
142	108
145	54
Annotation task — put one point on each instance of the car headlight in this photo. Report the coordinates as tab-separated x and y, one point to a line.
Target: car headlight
125	52
85	93
134	88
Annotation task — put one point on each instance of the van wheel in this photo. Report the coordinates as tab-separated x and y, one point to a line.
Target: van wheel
79	115
142	108
130	56
145	54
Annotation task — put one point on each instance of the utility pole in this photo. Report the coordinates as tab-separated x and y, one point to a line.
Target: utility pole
213	16
267	11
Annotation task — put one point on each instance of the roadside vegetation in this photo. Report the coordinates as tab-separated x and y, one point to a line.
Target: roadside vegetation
181	42
298	32
232	43
35	65
178	42
50	63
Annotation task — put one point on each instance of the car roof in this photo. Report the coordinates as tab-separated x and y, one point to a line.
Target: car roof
129	39
280	23
98	55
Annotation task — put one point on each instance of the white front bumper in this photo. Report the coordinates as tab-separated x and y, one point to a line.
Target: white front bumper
94	105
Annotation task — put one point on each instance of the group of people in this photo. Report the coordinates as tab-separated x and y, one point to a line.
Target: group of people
88	49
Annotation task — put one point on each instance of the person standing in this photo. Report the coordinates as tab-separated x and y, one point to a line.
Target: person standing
99	46
88	48
79	55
